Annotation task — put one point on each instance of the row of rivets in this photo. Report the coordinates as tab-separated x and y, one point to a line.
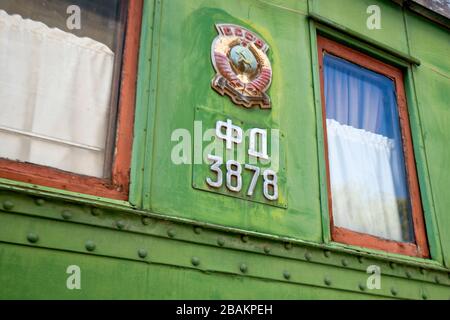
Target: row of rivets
288	246
142	253
8	205
90	245
96	211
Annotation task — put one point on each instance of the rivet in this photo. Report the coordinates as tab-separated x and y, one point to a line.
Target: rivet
327	281
424	296
244	238
392	265
361	287
32	237
344	262
146	221
120	224
243	268
198	230
96	211
288	246
171	233
66	214
394	291
267	249
142	253
408	274
360	259
437	280
327	253
286	275
39	202
8	205
90	245
195	261
221	242
308	256
422	271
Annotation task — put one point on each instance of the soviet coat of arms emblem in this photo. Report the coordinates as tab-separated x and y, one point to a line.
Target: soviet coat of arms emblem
243	69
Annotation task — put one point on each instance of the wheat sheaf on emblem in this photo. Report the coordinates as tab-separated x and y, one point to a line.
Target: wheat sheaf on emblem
243	69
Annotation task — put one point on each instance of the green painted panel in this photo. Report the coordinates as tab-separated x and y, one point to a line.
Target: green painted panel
30	273
184	75
432	89
174	91
27	273
432	80
430	42
353	15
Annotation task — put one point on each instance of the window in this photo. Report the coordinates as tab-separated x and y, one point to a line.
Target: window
67	90
373	191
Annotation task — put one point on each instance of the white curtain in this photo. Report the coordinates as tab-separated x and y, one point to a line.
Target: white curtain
362	184
55	93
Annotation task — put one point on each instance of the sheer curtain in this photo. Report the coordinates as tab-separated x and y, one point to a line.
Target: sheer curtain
367	172
54	96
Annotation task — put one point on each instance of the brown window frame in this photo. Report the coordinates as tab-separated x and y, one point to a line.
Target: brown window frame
117	186
343	235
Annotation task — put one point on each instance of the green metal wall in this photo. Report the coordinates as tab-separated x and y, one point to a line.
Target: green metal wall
174	241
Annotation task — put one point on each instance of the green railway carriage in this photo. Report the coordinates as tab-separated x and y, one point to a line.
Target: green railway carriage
211	149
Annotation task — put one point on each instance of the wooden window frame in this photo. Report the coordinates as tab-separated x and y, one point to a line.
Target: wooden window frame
346	236
117	186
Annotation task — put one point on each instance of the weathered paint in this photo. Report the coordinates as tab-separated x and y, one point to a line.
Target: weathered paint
42	231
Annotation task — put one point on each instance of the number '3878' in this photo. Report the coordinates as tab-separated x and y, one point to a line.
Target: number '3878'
233	182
